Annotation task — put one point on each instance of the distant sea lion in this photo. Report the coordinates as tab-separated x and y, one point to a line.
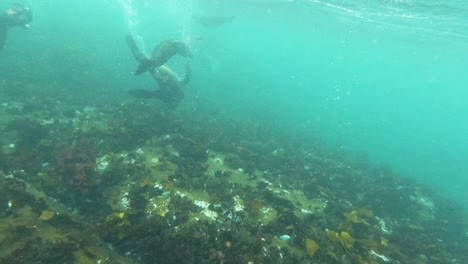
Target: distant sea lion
213	21
162	52
15	16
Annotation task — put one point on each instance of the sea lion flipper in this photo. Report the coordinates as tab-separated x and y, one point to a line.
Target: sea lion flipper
145	65
136	51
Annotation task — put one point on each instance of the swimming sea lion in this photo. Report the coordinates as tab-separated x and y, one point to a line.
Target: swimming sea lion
162	52
15	16
169	83
170	80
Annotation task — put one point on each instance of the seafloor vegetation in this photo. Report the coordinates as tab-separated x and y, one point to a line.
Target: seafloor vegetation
132	183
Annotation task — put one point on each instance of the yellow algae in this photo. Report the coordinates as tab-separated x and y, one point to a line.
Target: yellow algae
344	238
384	241
332	234
146	183
46	215
120	215
311	247
118	219
359	216
119	223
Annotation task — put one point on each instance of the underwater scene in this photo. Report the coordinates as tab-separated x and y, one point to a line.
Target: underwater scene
234	131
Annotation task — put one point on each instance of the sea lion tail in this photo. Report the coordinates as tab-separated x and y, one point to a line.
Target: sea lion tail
145	65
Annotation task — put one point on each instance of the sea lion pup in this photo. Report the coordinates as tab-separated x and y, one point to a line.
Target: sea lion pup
162	52
213	21
170	84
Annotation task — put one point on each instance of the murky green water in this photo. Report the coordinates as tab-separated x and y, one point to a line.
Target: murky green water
385	81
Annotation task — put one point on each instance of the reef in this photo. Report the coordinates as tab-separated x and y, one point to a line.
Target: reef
136	183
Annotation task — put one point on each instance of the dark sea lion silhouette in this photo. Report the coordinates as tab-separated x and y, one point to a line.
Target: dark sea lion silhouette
14	16
170	84
162	52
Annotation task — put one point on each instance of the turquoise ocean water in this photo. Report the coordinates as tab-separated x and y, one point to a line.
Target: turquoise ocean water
386	80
